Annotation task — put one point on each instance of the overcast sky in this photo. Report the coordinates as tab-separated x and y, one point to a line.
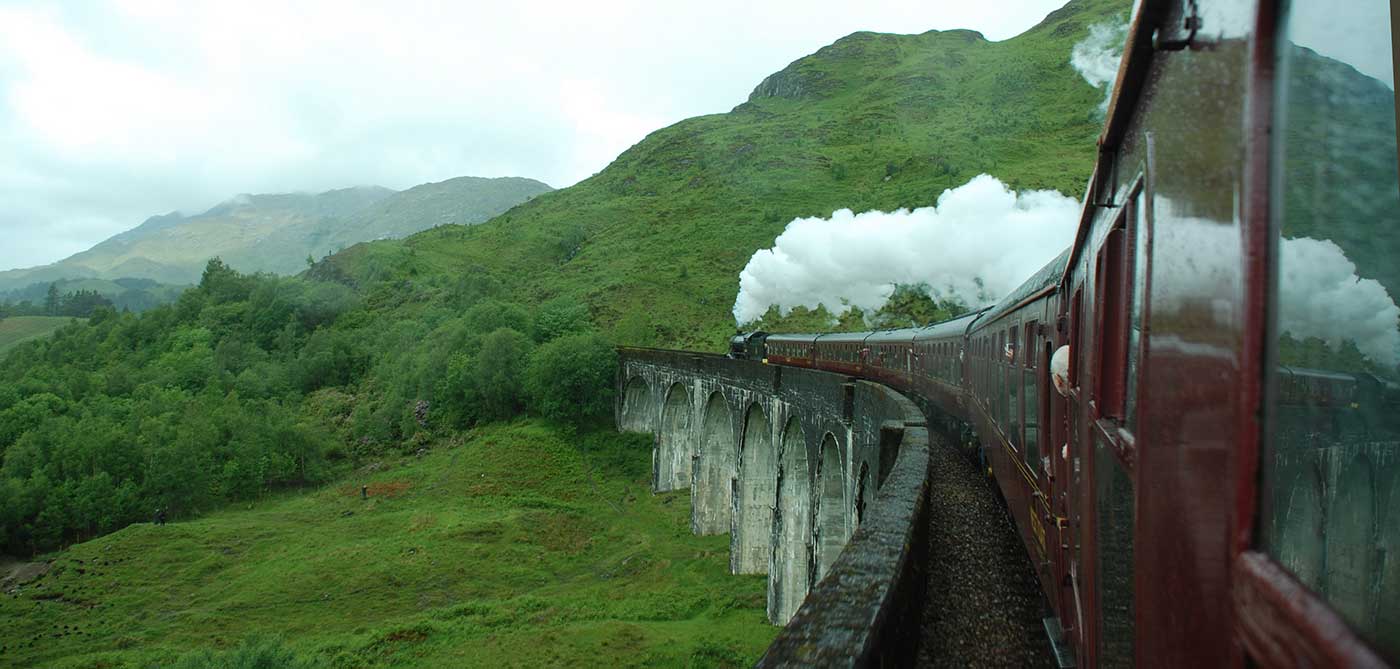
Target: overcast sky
113	111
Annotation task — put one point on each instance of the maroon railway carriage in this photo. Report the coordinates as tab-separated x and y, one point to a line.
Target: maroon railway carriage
941	356
1219	484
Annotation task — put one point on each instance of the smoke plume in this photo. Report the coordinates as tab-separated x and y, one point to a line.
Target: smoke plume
1096	57
980	241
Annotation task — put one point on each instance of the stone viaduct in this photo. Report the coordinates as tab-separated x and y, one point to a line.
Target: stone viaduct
819	479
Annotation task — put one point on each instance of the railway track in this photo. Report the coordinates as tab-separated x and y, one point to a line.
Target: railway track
983	607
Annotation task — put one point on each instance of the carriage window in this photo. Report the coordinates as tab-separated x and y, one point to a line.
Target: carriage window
999	371
1136	299
1032	399
1011	419
1113	525
1111	345
1330	496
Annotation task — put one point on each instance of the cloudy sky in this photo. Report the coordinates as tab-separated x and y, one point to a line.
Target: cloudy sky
113	111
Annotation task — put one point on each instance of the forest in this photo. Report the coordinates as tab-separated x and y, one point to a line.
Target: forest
78	304
252	383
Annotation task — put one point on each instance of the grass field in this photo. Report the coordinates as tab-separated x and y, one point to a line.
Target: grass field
511	548
17	329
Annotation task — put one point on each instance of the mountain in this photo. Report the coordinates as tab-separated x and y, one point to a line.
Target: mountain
276	232
654	243
459	201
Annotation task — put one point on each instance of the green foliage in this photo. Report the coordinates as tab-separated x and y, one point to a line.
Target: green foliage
561	316
913	305
511	545
257	652
570	378
491	315
498	377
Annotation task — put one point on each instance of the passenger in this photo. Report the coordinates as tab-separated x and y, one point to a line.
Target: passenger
1059	370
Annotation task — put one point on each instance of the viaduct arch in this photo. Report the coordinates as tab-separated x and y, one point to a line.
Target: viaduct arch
796	466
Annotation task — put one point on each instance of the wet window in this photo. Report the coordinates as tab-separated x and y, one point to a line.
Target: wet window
1111	335
1032	400
1113	524
1137	299
1330	499
1011	418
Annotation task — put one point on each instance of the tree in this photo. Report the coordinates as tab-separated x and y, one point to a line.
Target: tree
561	316
499	374
570	379
52	300
915	305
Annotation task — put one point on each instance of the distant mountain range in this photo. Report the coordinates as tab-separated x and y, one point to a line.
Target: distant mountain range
271	232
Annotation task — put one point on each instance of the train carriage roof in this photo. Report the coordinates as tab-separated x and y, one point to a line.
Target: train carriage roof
953	327
792	338
1047	277
899	335
847	337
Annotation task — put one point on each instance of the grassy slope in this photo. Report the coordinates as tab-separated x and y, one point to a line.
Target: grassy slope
17	329
654	243
498	551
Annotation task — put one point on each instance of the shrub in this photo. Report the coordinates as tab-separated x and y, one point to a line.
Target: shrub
570	379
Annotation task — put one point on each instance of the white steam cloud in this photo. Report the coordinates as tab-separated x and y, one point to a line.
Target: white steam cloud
980	231
1320	295
1096	57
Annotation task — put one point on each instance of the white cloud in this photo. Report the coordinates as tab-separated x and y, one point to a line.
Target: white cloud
113	111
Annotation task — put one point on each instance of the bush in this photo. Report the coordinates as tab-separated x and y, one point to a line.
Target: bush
570	379
498	375
561	316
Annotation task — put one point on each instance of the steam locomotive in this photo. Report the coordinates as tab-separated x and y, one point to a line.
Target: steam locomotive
1208	482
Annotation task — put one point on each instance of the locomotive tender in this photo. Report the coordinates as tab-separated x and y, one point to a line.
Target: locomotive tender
1219	482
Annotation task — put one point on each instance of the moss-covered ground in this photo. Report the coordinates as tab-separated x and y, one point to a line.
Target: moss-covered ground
511	545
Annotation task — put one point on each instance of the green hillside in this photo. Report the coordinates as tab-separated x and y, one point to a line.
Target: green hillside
504	547
18	329
654	243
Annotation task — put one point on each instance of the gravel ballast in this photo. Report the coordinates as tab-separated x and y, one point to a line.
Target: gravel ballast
984	606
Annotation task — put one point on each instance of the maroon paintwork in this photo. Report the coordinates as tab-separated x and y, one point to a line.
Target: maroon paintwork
1136	495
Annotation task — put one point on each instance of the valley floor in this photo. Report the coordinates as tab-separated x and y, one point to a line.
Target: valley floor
514	545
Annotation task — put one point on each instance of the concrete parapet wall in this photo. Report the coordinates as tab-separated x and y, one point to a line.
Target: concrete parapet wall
820	479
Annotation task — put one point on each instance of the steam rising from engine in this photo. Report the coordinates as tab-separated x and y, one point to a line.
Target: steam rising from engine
979	242
1096	57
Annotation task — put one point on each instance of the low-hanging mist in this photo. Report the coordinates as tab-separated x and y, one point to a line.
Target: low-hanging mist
977	243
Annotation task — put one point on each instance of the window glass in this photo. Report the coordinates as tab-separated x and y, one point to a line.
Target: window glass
1113	491
1138	225
1111	346
1330	498
1013	406
1031	397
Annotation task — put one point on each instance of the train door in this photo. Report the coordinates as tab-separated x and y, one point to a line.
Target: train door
1070	467
1111	446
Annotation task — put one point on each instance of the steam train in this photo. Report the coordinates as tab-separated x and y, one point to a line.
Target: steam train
1211	483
